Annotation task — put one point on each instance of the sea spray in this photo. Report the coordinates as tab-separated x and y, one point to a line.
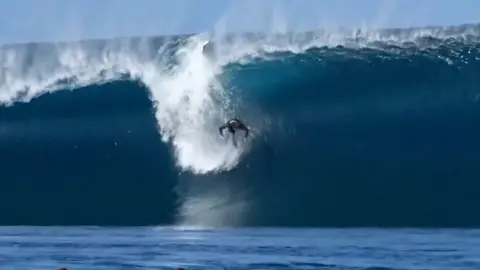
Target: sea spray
189	109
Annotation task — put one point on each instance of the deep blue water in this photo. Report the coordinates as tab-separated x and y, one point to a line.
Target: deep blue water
92	248
110	152
379	132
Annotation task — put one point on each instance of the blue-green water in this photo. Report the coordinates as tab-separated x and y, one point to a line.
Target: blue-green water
371	130
91	248
350	129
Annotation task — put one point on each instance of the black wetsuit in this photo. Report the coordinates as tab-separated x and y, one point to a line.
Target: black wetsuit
233	125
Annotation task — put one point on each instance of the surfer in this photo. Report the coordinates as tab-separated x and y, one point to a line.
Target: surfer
233	125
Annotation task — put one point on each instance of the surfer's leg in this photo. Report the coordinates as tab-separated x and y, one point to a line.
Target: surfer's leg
234	140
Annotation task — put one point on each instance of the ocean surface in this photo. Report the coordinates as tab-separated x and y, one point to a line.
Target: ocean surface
86	248
350	129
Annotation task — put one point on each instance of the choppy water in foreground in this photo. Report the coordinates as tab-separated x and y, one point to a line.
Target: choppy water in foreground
82	248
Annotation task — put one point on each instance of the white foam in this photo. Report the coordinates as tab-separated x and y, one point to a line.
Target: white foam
188	113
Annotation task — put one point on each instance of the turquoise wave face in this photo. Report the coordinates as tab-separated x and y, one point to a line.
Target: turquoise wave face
337	76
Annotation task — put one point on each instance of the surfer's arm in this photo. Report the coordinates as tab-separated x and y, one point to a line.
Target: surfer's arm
221	128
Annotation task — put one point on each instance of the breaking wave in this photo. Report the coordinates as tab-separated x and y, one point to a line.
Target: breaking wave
350	128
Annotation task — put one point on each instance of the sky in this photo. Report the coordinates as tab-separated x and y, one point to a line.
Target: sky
54	20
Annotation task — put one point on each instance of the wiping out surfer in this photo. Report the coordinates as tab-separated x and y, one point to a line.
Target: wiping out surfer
232	126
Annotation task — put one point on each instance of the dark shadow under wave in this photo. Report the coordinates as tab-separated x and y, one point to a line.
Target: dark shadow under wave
92	156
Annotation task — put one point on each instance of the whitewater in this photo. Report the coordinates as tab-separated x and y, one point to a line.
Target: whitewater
328	110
